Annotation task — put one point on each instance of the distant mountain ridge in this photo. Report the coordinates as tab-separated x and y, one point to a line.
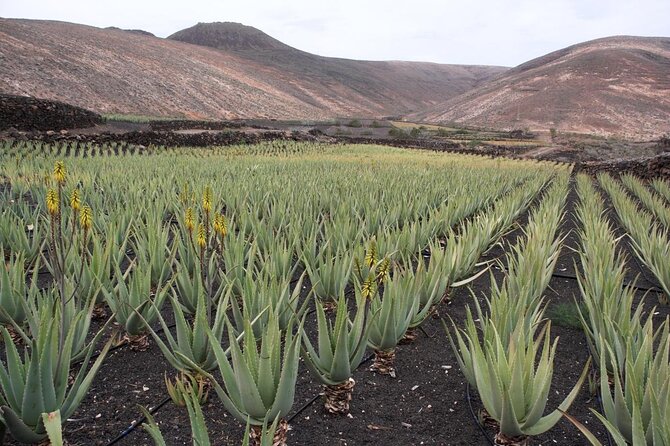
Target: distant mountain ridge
617	85
229	36
612	86
248	74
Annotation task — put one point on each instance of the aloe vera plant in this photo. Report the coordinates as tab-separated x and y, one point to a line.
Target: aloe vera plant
196	417
394	313
190	284
651	242
513	388
39	382
135	302
154	250
258	381
253	435
14	292
341	345
75	313
192	338
22	236
430	286
262	293
329	272
635	408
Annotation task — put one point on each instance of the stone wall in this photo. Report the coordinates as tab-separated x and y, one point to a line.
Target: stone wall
27	114
647	168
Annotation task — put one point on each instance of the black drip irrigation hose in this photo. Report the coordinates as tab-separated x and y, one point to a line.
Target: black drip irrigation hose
625	284
475	418
139	422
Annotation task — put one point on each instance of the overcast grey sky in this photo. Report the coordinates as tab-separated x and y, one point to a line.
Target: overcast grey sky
486	32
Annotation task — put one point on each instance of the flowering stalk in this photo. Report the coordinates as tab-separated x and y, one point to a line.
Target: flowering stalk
189	223
207	207
221	229
75	204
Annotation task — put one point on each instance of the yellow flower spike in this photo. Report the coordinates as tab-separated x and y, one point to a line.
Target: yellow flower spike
217	223
86	218
53	205
188	220
220	225
384	270
75	202
184	194
371	254
207	199
202	241
60	173
369	288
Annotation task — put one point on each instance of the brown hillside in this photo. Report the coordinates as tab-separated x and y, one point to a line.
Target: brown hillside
616	85
253	75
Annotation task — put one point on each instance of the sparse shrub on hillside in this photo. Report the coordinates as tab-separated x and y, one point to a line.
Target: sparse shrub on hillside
375	124
521	134
664	141
354	123
395	132
415	132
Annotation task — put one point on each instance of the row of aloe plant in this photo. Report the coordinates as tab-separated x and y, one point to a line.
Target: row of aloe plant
506	353
42	387
650	240
655	203
632	355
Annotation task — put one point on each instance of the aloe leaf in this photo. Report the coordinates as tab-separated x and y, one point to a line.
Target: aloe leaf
18	429
197	418
547	422
53	425
152	428
32	405
587	433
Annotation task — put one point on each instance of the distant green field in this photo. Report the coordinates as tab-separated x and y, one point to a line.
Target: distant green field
139	119
410	125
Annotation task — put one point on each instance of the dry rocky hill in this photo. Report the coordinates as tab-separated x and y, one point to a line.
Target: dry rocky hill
218	71
616	85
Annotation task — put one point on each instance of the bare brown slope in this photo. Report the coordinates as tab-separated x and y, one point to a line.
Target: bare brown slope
402	87
617	85
112	71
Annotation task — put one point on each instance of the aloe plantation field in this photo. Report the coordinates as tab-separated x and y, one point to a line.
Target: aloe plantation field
328	294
